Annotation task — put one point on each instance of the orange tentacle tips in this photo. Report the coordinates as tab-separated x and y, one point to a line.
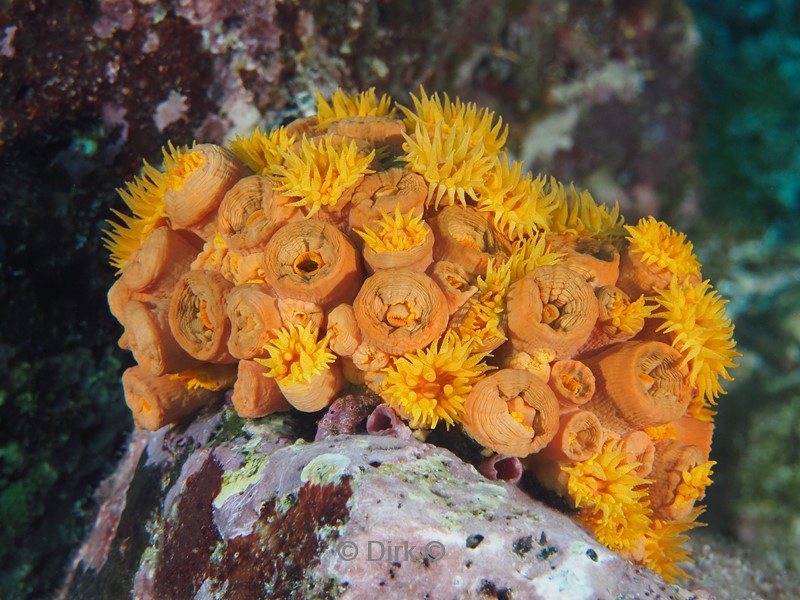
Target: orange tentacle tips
303	366
680	477
619	318
197	179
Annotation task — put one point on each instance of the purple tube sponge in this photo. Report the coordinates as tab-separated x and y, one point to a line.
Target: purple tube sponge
503	468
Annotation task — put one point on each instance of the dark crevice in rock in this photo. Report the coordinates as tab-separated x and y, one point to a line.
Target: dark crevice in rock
191	537
115	579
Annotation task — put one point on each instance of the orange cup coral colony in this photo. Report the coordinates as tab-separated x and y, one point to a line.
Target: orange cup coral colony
399	248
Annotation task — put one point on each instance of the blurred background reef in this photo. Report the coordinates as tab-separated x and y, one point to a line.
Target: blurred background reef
688	111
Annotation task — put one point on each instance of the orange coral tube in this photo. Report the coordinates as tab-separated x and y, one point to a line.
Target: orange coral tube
304	126
255	395
637	278
235	266
695	433
458	285
316	394
301	313
344	336
463	236
672	459
400	310
119	295
596	260
369	359
380	131
156	267
551	308
579	437
639	445
572	382
511	412
197	315
485	326
251	211
160	400
253	313
192	201
312	261
639	385
383	192
619	319
151	341
537	364
417	257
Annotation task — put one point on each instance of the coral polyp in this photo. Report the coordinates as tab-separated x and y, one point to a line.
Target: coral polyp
517	203
611	499
452	166
397	232
432	384
358	253
260	151
660	245
295	354
434	111
319	171
694	317
343	105
179	164
144	197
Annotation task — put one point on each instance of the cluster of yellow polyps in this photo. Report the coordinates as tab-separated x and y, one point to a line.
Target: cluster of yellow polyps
409	254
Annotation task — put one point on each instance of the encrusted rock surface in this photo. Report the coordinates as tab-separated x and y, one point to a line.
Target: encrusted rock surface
232	508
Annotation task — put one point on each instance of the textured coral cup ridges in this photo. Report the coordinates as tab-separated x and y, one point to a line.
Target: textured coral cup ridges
396	249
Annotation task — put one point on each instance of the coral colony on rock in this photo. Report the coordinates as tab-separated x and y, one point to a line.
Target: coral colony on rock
393	250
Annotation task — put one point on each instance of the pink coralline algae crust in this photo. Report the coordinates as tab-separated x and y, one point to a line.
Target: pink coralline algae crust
250	514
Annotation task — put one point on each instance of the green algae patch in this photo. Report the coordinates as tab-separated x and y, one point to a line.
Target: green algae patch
236	482
325	469
231	427
276	425
436	483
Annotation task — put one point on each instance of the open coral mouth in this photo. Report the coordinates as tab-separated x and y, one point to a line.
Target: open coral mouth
398	250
